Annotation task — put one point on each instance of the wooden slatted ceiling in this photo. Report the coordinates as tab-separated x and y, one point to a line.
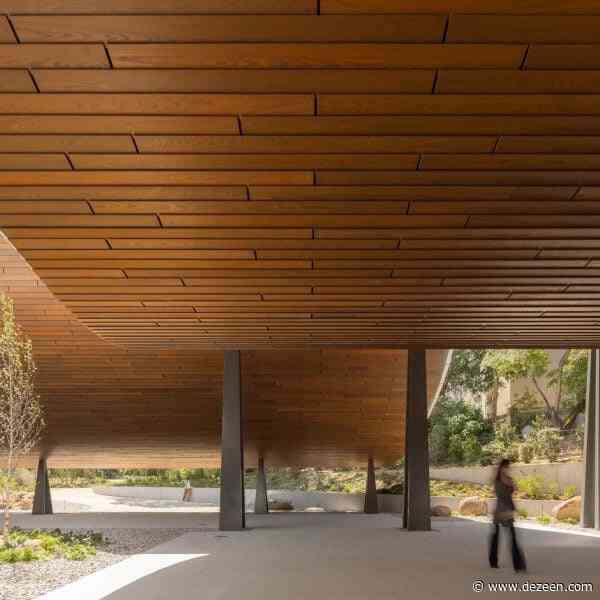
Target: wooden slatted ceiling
111	407
211	174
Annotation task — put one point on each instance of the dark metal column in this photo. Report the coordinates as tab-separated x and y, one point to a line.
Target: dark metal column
596	438
416	494
589	469
261	502
371	506
42	501
232	514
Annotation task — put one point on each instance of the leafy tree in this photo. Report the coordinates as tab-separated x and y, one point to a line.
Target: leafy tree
467	375
457	432
568	379
21	418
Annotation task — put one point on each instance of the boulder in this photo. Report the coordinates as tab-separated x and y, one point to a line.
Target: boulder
440	510
473	506
280	505
569	509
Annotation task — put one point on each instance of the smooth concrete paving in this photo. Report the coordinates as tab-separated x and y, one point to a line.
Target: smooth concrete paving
71	500
296	556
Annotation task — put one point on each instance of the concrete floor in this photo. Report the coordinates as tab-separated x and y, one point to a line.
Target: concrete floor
70	500
296	556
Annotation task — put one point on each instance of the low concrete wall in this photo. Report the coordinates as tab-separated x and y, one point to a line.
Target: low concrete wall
563	473
328	501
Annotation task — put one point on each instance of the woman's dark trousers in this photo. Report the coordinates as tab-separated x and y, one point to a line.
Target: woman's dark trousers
517	555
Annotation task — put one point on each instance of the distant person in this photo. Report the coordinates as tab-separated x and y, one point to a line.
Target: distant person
504	515
187	491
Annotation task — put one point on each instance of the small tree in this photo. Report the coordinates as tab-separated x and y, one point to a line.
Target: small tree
21	417
568	379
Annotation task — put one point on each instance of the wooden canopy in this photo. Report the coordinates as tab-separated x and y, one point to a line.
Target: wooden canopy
292	173
108	406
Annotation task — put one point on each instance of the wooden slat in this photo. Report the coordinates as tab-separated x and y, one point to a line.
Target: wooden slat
69	7
250	144
410	192
126	233
546	144
53	56
422	125
33	207
511	162
229	28
170	104
111	124
12	162
522	207
511	29
330	207
272	81
30	220
243	161
457	104
560	56
460	6
491	81
473	177
15	80
141	192
310	221
156	178
333	55
66	143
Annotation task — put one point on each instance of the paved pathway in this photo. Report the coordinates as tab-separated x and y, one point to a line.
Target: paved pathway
297	556
72	500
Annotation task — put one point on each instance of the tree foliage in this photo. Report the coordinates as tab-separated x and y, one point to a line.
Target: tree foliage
458	432
21	418
468	374
568	379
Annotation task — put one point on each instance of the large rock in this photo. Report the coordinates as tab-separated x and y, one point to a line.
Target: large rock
569	509
473	506
440	510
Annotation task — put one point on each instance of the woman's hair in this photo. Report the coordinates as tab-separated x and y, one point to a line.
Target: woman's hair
503	464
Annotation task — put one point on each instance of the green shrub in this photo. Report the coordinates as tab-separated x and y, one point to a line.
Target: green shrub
544	520
546	443
537	488
569	491
504	444
457	433
69	545
525	452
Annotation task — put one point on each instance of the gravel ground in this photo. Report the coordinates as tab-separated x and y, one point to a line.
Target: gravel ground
25	581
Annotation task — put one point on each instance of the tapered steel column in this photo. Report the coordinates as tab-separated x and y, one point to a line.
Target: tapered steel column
416	493
590	509
42	501
371	506
261	502
232	513
596	368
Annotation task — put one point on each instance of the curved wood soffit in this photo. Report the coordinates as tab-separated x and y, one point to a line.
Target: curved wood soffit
108	406
307	173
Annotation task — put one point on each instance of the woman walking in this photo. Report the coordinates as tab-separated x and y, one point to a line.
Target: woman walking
504	515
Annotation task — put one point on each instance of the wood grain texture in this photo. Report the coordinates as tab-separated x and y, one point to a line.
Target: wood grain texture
333	407
262	161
